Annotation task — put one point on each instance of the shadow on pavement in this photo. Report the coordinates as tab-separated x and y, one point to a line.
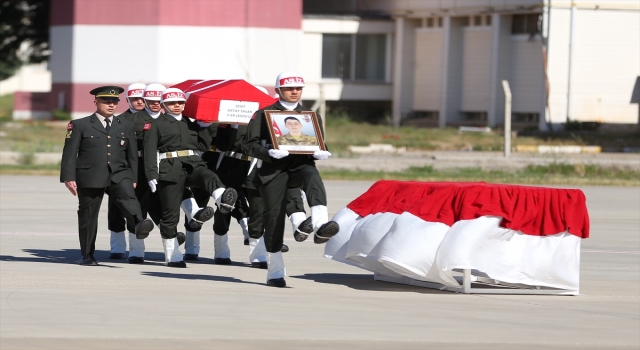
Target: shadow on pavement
197	277
364	282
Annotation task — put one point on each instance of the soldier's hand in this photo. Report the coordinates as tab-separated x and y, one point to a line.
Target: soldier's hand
153	185
72	187
321	155
278	153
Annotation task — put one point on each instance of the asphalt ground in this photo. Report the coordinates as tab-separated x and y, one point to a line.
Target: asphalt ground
47	301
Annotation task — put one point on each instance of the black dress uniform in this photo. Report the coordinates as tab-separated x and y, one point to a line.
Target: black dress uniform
143	193
276	176
149	202
184	168
99	161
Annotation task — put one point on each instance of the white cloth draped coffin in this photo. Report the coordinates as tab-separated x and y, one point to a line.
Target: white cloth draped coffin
404	244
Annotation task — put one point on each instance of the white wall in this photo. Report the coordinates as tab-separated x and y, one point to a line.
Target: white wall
31	78
175	53
606	62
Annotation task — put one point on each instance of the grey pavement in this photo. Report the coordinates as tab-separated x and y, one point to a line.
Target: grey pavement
436	159
47	301
485	160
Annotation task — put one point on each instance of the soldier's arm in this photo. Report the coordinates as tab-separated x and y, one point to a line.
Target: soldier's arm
132	153
70	153
322	130
151	150
251	144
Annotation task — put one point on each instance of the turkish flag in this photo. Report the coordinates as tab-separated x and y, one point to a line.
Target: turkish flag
276	129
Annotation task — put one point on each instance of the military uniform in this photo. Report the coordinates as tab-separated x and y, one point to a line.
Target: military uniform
276	176
302	140
102	159
179	166
149	202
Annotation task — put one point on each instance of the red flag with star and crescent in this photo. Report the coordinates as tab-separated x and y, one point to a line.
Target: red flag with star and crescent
276	129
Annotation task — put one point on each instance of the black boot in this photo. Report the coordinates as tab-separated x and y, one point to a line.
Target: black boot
325	232
304	230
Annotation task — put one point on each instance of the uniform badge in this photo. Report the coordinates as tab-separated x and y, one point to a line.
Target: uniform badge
69	134
70	126
121	142
146	126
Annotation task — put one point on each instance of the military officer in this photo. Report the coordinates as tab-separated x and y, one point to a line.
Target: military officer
295	136
115	218
280	171
172	162
99	156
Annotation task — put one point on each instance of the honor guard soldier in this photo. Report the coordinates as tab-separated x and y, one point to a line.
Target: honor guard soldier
100	155
172	162
116	220
280	171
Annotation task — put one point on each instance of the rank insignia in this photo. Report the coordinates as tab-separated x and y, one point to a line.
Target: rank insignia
69	134
146	126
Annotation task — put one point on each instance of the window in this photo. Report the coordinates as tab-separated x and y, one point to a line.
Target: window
525	118
526	24
354	57
477	21
336	56
370	57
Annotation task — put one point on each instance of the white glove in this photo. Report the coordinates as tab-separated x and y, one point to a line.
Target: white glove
278	153
204	124
153	185
235	126
321	155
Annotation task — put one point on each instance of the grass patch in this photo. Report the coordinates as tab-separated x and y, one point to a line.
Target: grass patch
28	169
32	136
6	108
553	174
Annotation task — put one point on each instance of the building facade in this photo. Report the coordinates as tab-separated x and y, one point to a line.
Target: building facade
422	62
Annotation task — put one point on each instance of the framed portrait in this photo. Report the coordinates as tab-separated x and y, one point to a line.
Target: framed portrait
296	132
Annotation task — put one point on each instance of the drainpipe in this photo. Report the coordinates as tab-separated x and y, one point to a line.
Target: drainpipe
570	68
397	72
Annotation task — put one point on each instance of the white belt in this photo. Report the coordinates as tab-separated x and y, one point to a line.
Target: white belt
176	154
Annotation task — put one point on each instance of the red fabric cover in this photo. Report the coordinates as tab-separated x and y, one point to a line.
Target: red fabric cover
536	211
204	96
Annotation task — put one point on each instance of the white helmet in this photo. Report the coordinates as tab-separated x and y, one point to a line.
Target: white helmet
289	79
173	94
262	89
135	90
154	91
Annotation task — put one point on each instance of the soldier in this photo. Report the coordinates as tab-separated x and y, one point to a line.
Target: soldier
295	135
172	162
115	218
280	171
99	156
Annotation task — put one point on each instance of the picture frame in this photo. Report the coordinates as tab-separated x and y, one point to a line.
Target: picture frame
303	137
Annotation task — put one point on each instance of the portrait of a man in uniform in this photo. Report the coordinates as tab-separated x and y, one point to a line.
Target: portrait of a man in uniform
295	136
